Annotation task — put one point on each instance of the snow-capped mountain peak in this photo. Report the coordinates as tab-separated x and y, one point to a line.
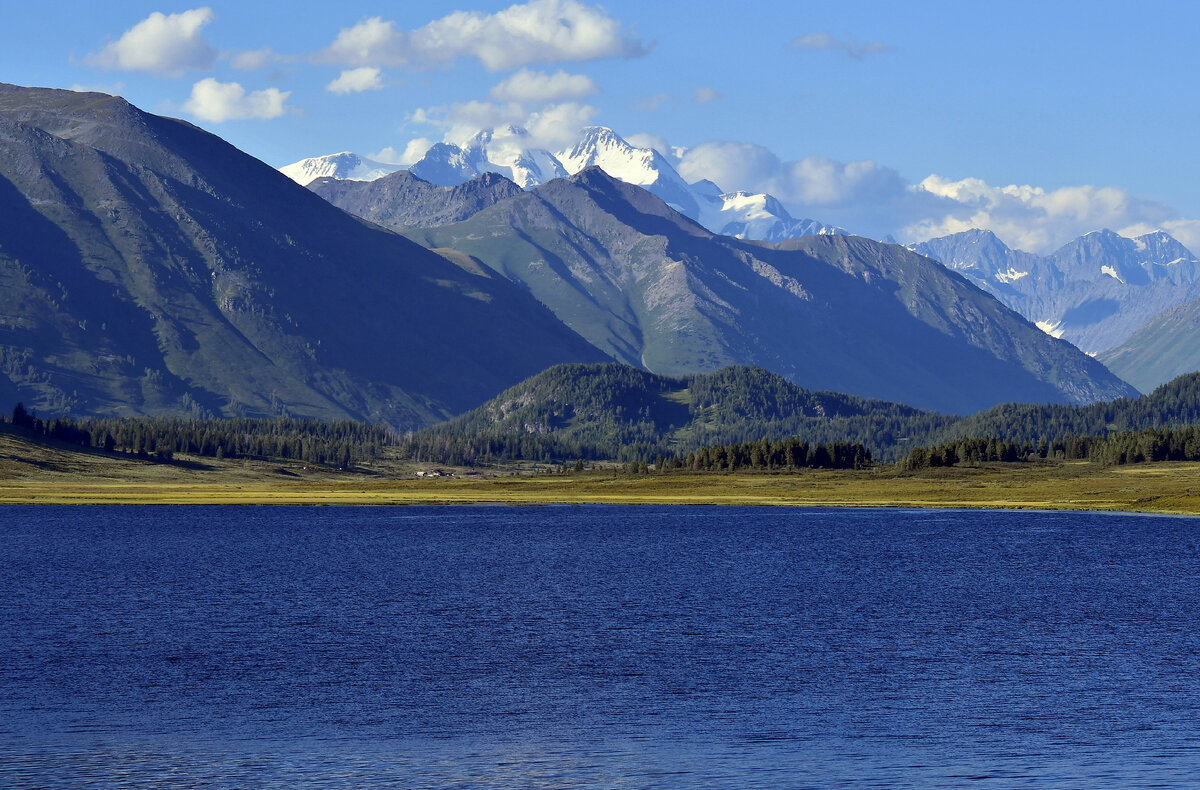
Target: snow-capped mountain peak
345	165
511	152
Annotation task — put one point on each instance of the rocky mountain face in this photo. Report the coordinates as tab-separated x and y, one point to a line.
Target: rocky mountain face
1094	292
402	200
149	267
509	153
653	288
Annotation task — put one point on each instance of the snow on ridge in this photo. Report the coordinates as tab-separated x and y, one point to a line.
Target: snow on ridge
1052	328
345	165
508	151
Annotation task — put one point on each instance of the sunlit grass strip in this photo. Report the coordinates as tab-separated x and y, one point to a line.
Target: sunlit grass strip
1165	488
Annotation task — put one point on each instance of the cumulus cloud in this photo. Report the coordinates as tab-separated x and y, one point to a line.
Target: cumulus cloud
167	44
547	127
847	46
228	101
875	200
412	153
537	86
814	181
540	31
1036	219
357	80
706	94
672	153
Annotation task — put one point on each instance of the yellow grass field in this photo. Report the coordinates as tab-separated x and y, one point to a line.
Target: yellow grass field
31	474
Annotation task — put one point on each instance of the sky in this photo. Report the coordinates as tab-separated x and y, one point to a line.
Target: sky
1040	121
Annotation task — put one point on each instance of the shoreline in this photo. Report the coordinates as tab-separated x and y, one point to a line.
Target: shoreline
1168	489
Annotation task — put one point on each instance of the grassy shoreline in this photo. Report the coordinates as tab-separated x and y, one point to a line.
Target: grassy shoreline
59	474
1160	488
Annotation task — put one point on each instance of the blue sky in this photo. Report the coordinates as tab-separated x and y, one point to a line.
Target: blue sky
1038	120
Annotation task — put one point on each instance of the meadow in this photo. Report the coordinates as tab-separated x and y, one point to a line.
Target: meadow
49	474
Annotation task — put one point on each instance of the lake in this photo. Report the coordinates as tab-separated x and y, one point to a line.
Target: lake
597	647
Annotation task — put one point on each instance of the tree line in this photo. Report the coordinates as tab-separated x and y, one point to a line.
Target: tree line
339	444
1178	443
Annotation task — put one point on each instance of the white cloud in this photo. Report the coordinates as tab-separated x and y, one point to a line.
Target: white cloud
660	144
537	86
168	44
540	31
558	125
1186	230
548	127
847	46
874	200
412	153
706	94
228	101
1036	219
813	181
357	80
253	59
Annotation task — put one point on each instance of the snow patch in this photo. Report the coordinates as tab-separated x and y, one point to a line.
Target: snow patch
1011	275
1111	272
345	165
1052	328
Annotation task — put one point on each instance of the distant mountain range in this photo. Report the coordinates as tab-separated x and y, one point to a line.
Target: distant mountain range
652	288
149	267
1166	346
508	152
1095	292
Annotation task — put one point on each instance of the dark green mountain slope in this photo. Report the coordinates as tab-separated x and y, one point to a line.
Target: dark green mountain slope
652	288
147	266
619	412
1166	346
626	413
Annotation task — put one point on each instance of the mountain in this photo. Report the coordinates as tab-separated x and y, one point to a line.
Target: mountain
149	267
345	165
509	152
652	288
1095	291
505	151
402	200
1166	346
745	215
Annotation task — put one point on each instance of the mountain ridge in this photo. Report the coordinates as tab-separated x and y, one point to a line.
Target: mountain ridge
506	152
1095	291
150	267
652	287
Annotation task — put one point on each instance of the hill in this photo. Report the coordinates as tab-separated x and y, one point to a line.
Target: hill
618	412
612	411
148	267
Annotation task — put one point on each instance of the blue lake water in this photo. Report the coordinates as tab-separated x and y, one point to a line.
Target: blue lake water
597	647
